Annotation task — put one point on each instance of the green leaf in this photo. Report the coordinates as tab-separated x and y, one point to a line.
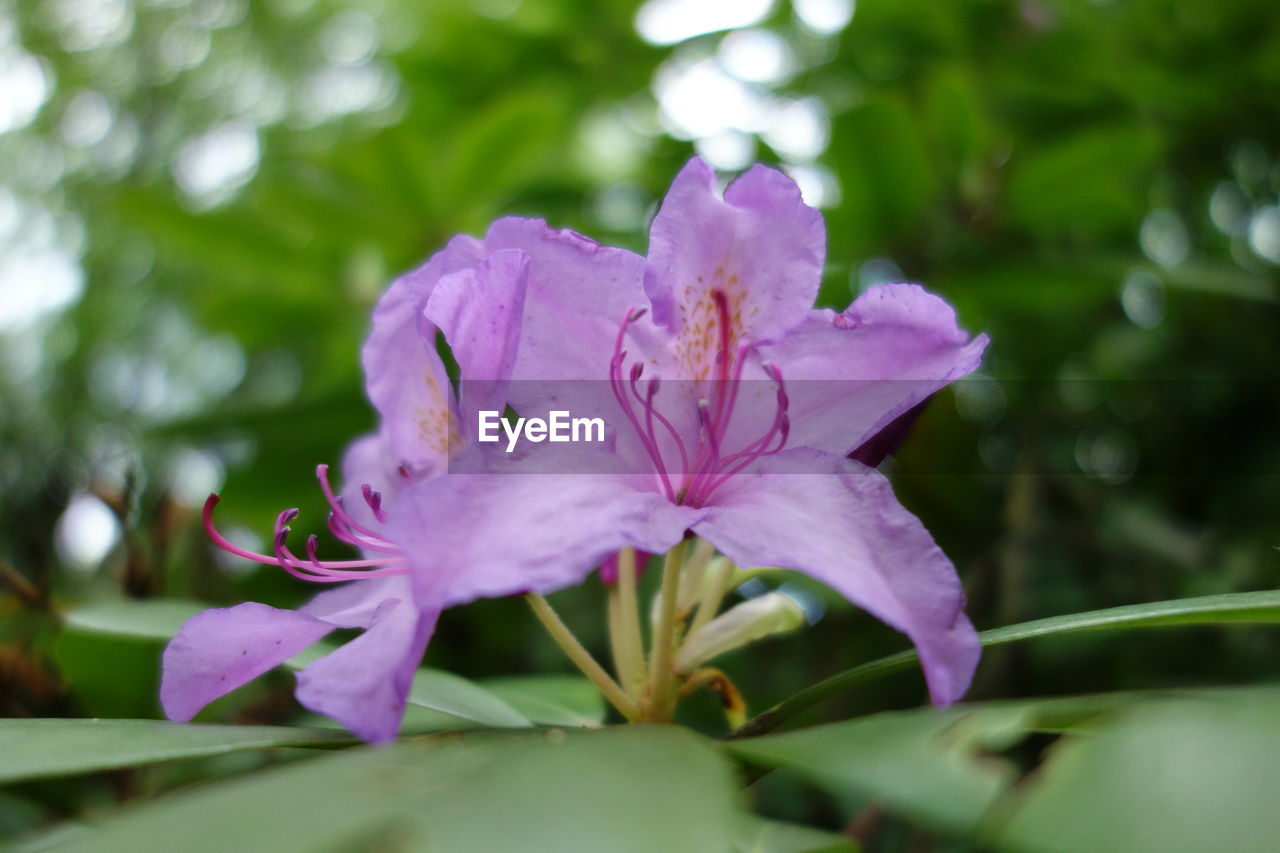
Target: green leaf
923	763
758	835
628	789
945	768
940	767
1240	607
36	749
551	700
137	620
434	689
1192	775
454	695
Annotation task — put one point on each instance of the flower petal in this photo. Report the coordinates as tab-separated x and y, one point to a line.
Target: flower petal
760	245
578	293
406	380
850	375
842	525
404	377
472	536
218	650
480	311
364	683
355	604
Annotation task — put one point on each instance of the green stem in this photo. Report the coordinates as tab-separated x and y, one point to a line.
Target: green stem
1239	607
664	638
629	642
581	657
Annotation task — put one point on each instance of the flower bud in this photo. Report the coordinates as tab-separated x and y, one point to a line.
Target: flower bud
771	613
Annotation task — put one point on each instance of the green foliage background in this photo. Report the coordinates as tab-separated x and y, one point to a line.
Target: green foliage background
1095	184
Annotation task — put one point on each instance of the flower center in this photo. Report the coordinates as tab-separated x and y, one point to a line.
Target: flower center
704	463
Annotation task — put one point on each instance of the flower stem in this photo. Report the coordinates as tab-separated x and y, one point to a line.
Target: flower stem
659	709
628	642
581	657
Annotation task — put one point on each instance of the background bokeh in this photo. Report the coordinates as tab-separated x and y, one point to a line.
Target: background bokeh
200	199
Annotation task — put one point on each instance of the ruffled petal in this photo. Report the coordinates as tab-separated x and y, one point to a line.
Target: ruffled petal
850	375
839	522
406	380
404	377
480	312
218	650
578	293
363	684
761	246
472	536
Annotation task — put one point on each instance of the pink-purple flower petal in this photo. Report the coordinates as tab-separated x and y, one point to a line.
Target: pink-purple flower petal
364	683
841	524
578	292
480	310
760	246
221	649
472	536
852	374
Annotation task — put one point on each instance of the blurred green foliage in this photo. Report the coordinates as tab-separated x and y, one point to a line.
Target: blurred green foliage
200	200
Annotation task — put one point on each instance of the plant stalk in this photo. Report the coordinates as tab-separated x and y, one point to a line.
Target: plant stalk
581	657
660	699
629	648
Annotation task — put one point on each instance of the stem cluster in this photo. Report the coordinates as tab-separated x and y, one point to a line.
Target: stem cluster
647	687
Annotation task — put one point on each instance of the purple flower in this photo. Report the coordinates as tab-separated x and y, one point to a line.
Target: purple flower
738	407
364	683
723	303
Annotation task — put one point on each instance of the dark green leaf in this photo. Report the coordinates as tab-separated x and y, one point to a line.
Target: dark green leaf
942	768
636	789
1195	776
35	749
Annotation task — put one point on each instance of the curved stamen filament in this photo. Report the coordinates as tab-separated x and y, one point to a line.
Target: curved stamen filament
619	388
651	412
314	569
779	429
350	537
374	500
335	503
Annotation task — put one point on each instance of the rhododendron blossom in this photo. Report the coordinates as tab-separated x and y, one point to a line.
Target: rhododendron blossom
725	298
739	416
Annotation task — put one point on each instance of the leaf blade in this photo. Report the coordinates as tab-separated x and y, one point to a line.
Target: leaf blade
1261	607
44	748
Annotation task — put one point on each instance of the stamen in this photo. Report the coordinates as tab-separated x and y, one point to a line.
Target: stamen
374	500
780	429
335	502
711	468
619	393
332	571
350	537
651	412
